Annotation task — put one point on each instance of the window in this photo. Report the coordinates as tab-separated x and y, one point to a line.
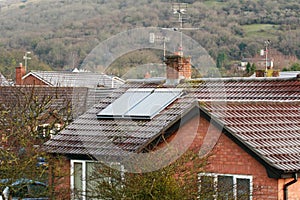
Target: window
77	179
225	187
85	176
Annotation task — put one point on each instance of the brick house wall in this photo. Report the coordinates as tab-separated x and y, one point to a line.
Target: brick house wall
229	158
59	178
31	80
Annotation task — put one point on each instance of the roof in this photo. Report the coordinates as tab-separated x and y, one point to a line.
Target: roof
111	137
3	81
286	74
60	96
76	79
80	98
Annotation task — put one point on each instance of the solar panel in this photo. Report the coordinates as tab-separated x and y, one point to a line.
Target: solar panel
154	103
140	103
120	106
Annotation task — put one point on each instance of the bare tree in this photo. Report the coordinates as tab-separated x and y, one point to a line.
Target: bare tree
28	117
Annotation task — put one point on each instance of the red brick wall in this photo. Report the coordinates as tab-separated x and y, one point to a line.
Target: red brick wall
293	190
60	178
172	73
31	80
186	70
178	66
228	158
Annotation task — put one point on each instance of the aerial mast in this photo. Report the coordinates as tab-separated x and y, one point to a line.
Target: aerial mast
180	9
266	54
26	57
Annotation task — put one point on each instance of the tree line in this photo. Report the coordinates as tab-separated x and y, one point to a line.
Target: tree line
62	33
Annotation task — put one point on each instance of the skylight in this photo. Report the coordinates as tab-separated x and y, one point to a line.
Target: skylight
143	103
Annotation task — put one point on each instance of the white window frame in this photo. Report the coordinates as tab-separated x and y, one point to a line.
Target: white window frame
72	181
235	177
84	184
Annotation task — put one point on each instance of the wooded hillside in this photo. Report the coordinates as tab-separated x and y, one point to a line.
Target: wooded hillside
60	34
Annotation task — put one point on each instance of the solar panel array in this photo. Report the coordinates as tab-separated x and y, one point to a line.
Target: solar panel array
140	103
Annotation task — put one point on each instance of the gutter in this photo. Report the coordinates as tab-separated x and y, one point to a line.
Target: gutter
285	187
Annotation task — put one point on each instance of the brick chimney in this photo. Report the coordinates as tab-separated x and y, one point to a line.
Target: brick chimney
178	67
268	73
147	75
20	72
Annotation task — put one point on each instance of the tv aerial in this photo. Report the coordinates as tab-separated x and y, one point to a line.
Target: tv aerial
180	9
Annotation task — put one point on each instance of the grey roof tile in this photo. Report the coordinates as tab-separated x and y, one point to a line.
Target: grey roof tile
77	79
3	81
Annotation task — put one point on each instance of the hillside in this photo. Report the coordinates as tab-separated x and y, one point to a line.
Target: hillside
60	34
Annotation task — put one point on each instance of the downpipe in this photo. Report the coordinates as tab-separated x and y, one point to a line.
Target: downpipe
285	187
